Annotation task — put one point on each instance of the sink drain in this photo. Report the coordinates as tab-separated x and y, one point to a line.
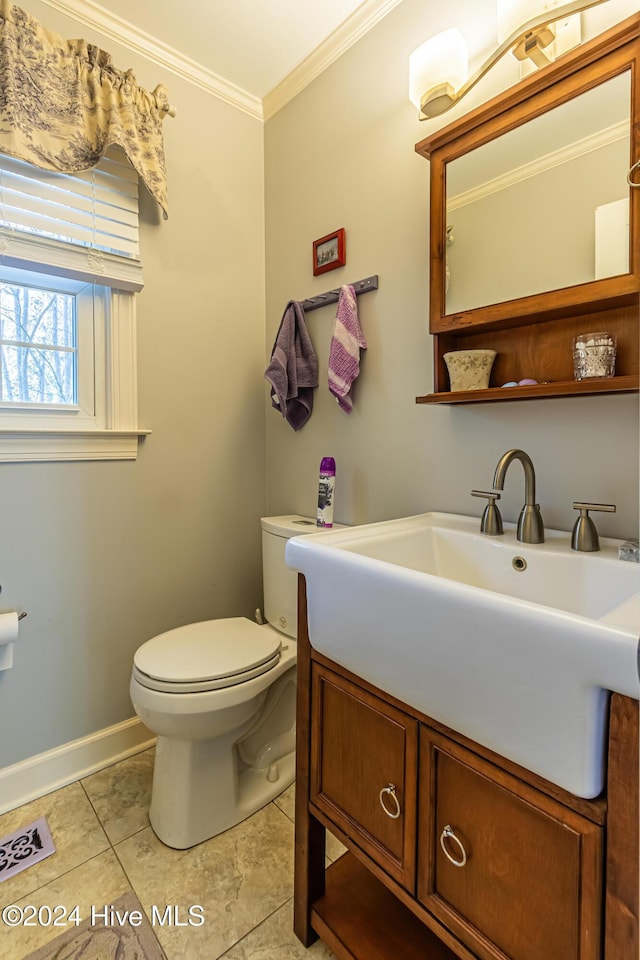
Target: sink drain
519	564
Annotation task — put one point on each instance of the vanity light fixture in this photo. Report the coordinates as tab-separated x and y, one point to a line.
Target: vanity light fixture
438	69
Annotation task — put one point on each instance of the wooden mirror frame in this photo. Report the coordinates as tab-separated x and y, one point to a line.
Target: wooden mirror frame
589	65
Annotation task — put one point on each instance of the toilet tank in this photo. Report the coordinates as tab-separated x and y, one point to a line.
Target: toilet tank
280	582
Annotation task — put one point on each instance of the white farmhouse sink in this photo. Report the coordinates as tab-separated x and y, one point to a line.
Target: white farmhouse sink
444	618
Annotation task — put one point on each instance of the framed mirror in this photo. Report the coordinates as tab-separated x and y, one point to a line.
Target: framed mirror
532	216
550	196
519	173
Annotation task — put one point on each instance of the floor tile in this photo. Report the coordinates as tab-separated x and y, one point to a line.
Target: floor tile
287	803
96	883
76	832
274	939
238	878
121	795
334	847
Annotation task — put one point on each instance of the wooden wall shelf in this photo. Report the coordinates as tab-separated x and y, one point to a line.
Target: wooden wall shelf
539	391
541	350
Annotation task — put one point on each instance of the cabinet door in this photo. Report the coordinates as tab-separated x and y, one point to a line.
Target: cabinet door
364	756
511	872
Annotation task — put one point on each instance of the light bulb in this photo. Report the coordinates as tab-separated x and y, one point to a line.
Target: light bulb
441	61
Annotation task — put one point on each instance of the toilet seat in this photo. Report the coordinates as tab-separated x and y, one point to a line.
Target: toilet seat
209	655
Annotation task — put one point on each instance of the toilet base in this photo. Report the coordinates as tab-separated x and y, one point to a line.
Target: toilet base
187	808
202	787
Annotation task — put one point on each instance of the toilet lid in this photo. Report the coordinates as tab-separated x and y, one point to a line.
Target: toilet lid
213	653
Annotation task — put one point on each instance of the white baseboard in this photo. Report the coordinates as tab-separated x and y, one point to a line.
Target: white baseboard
46	772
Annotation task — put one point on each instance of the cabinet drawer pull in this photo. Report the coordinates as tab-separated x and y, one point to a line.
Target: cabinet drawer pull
448	834
391	791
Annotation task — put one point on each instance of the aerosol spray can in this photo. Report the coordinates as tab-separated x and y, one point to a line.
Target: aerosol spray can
326	488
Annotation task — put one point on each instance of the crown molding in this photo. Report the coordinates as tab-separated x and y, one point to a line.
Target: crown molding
343	37
138	41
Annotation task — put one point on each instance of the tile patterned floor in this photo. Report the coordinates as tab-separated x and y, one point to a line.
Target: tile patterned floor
242	880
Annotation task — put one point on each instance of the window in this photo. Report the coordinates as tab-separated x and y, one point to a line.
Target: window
69	270
39	342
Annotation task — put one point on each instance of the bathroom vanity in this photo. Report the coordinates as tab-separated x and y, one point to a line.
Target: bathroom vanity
453	851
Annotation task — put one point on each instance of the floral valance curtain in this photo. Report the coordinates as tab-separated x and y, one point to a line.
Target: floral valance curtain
63	103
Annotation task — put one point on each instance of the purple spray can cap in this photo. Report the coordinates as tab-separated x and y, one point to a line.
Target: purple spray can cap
328	465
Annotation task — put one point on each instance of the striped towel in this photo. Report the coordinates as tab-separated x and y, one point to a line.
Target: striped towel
346	342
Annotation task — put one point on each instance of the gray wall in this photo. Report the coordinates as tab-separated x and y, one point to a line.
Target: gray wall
342	155
105	555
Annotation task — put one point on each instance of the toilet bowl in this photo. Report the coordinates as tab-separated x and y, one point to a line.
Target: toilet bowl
220	696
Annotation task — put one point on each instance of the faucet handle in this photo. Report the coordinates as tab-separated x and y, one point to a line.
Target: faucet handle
585	536
491	523
489	494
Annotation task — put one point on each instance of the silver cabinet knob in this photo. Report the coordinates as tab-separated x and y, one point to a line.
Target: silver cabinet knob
446	836
389	792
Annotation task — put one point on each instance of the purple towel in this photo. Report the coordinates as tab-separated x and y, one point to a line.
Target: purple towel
293	370
344	353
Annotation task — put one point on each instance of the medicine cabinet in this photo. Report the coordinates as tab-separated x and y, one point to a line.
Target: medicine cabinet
534	235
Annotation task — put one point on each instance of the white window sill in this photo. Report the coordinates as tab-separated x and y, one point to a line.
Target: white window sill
27	445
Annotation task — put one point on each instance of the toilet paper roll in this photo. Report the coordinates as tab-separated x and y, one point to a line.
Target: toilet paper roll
8	627
8	636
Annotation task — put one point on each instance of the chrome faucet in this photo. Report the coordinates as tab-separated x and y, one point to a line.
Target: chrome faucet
530	526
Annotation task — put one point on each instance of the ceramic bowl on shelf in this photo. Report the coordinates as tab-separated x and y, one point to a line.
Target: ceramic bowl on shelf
469	369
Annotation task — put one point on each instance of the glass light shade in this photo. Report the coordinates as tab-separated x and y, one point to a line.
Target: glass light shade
443	59
512	14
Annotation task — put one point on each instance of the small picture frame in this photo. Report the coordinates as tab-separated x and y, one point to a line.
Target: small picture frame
329	252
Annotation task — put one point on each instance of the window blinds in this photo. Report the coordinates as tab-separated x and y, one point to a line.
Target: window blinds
83	225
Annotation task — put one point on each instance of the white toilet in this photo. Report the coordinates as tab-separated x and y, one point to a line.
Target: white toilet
221	697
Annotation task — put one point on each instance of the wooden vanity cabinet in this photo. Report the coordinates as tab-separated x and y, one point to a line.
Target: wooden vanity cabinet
512	872
535	883
364	771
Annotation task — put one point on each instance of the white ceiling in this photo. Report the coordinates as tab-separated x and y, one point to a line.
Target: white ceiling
253	44
258	54
255	54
